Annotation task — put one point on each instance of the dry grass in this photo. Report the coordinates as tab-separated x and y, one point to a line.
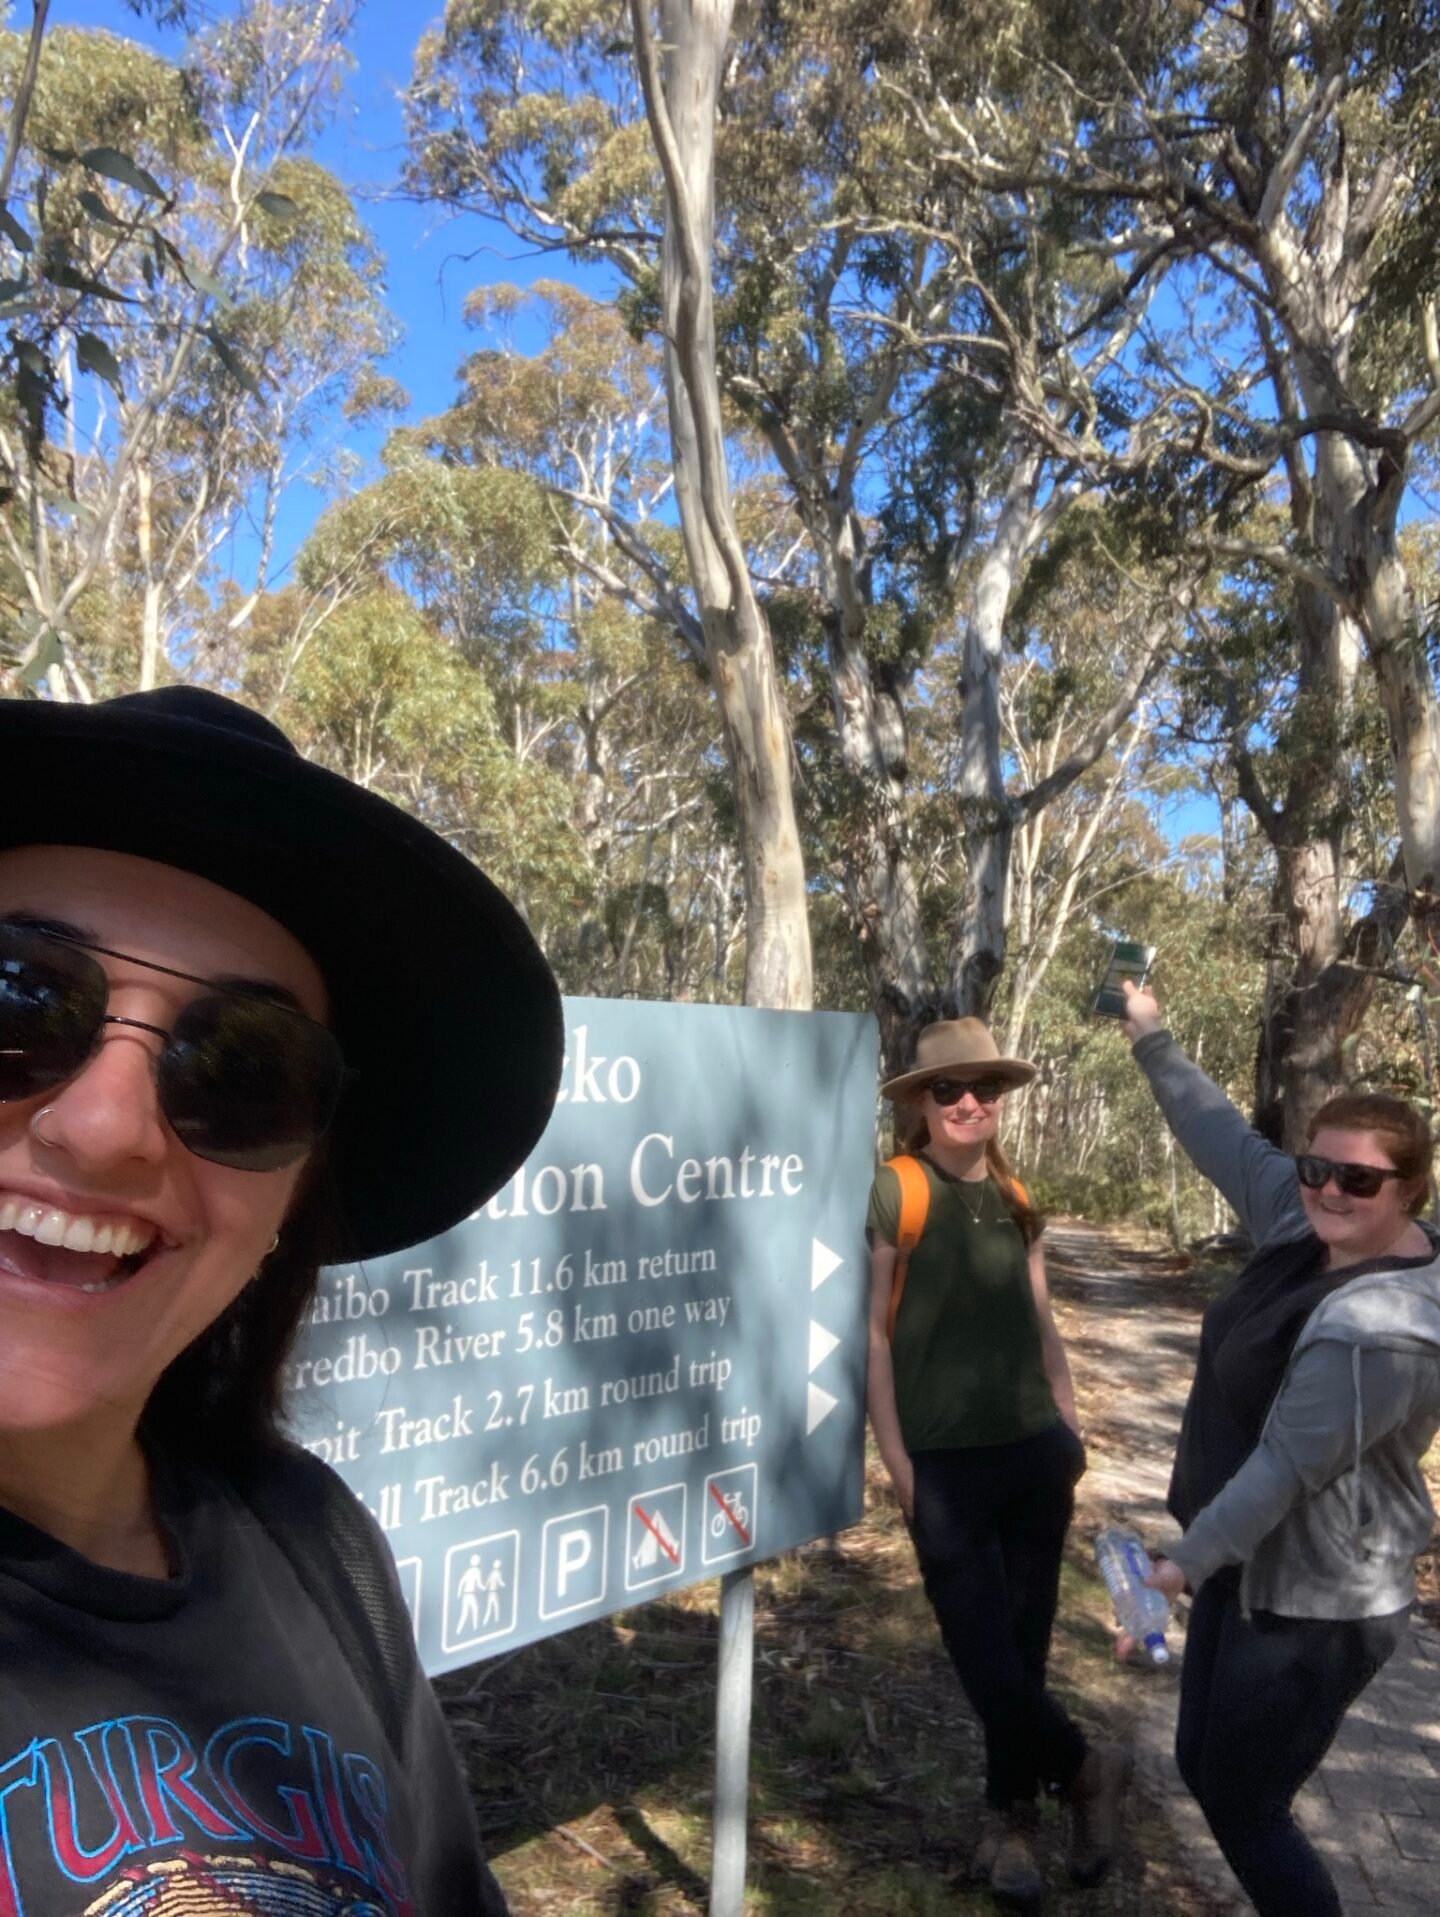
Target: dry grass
591	1753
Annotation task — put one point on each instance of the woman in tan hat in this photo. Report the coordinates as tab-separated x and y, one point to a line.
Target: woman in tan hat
973	1409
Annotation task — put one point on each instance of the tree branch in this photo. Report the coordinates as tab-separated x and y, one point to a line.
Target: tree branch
24	93
1142	669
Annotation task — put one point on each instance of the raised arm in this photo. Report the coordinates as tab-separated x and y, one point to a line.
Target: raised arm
1258	1181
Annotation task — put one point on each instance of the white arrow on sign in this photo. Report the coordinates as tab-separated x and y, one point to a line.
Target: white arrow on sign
822	1343
823	1262
818	1407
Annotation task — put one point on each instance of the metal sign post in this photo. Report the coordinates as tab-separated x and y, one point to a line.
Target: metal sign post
732	1743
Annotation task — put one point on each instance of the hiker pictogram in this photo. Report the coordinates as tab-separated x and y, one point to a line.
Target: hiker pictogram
481	1576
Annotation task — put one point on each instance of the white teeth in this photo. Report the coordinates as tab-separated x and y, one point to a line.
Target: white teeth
47	1225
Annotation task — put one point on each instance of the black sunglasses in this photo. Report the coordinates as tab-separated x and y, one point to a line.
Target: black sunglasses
949	1091
242	1080
1355	1181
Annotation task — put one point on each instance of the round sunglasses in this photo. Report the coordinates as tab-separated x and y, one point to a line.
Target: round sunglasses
1355	1181
242	1080
949	1091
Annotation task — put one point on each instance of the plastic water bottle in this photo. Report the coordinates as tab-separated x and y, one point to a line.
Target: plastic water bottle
1125	1564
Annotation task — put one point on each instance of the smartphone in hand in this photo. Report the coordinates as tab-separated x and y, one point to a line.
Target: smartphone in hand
1127	960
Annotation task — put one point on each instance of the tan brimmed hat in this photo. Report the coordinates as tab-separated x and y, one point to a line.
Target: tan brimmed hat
957	1048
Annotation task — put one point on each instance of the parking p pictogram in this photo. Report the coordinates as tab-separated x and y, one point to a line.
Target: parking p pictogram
573	1561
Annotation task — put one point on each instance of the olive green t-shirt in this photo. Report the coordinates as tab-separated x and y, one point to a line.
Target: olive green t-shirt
969	1367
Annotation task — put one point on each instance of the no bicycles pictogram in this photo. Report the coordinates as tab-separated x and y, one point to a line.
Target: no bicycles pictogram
730	1515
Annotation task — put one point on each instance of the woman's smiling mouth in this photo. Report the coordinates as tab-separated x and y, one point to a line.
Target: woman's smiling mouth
76	1250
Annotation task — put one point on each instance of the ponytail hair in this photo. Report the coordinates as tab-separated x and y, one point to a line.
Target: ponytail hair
912	1134
1018	1202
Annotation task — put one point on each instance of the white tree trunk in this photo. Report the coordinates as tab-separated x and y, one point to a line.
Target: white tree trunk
986	814
1318	283
681	111
150	591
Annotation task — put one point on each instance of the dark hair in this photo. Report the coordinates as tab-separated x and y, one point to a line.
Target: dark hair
912	1133
221	1400
1403	1130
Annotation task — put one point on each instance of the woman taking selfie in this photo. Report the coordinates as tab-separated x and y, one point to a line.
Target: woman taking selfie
974	1415
252	1019
1297	1476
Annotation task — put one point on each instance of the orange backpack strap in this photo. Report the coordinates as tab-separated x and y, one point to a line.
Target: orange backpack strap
914	1210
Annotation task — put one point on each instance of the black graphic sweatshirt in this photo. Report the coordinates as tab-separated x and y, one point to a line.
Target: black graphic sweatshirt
200	1743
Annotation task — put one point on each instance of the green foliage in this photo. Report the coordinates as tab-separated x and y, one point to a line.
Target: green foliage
213	314
69	238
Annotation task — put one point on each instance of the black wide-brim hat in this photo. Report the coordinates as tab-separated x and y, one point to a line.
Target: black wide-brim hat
445	1008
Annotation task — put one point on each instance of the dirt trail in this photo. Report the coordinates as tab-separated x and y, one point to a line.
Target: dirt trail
1130	1317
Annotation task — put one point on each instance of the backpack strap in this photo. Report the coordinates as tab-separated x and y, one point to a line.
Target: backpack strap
914	1210
346	1570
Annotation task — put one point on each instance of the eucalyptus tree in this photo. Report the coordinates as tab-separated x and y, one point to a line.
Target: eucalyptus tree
1273	690
1286	154
619	854
491	97
1032	370
189	292
681	95
551	100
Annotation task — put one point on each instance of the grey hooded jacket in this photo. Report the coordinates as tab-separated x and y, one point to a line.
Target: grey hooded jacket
1328	1512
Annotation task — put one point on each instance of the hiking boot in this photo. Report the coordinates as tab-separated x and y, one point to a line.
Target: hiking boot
982	1862
1014	1875
1094	1799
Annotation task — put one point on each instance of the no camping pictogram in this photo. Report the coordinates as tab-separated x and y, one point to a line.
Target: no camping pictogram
655	1547
731	1499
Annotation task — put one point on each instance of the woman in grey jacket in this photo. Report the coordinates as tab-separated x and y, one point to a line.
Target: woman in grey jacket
1297	1478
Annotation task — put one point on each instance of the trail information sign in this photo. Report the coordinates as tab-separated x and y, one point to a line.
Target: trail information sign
642	1363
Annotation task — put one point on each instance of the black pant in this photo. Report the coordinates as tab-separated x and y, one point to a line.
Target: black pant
989	1531
1261	1699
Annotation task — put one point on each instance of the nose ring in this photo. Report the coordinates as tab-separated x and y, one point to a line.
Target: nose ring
35	1131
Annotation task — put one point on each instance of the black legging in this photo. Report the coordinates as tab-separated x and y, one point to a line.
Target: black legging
989	1531
1261	1699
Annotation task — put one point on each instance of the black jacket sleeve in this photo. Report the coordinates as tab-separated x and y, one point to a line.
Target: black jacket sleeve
453	1878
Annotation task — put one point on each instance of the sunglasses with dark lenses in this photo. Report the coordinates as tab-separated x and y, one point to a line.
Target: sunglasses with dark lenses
949	1091
1355	1181
242	1080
